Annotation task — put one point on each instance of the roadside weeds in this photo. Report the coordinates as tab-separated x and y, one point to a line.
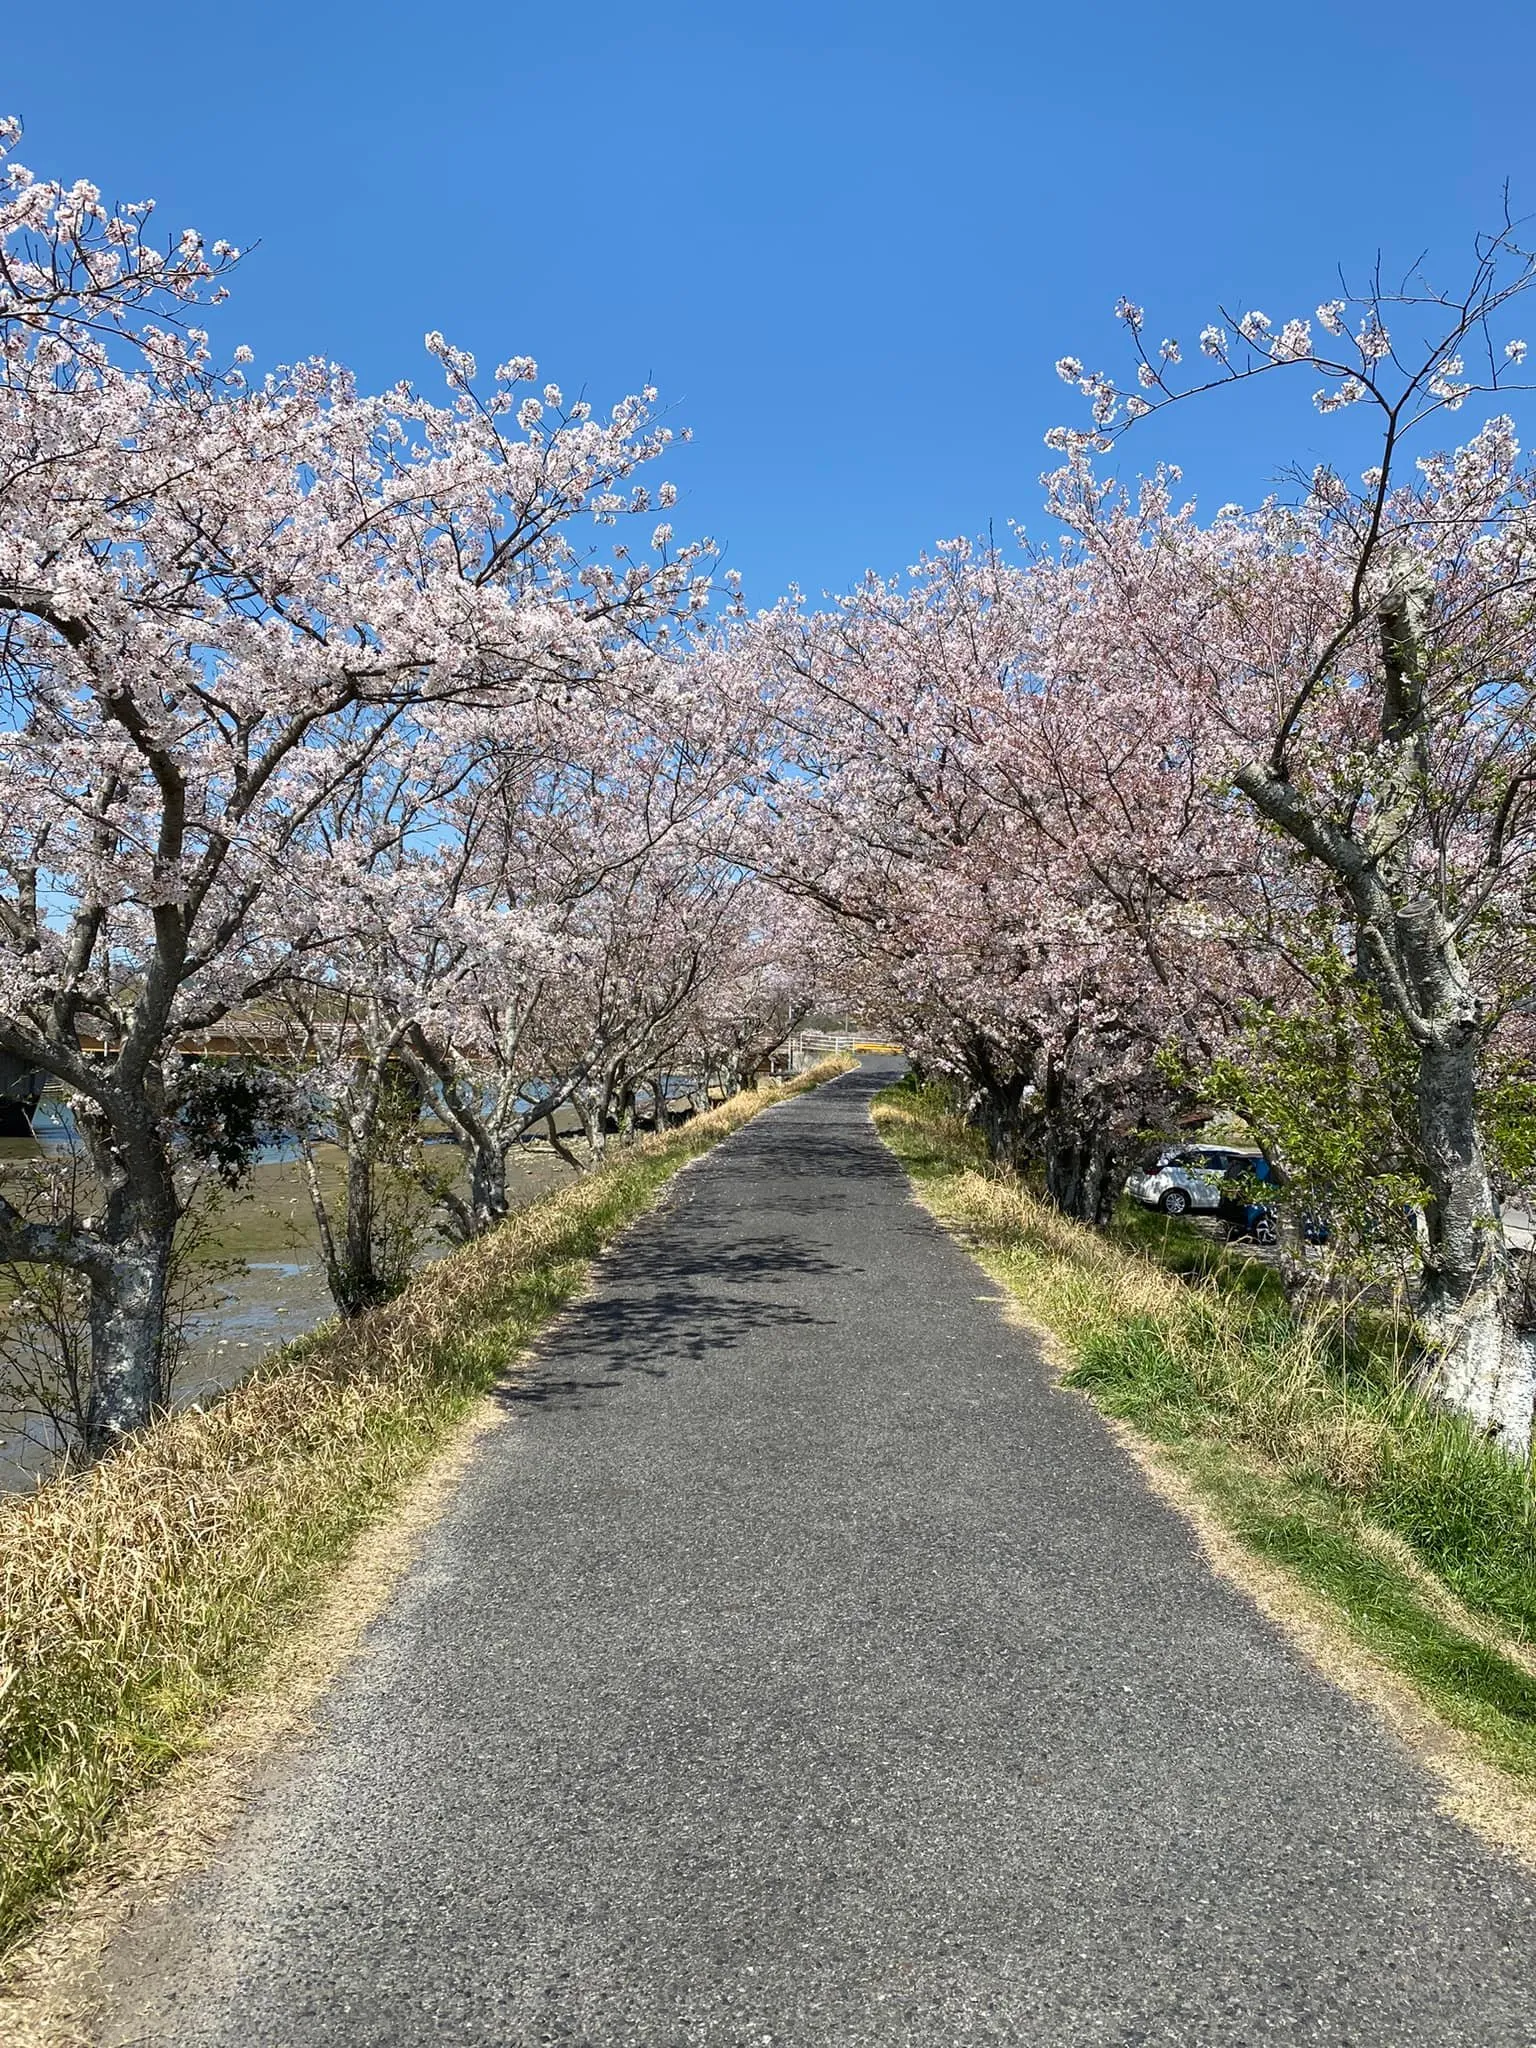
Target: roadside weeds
54	1990
137	1597
1397	1549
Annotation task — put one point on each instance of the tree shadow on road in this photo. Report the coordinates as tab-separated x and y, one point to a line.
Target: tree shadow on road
691	1287
661	1303
784	1163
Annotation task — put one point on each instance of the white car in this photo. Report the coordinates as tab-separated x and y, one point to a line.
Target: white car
1178	1178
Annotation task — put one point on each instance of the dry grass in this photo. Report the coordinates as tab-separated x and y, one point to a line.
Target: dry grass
135	1595
56	1985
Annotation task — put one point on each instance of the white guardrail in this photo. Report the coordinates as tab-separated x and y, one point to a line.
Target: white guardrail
806	1048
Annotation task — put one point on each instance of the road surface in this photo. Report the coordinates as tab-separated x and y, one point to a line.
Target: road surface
797	1668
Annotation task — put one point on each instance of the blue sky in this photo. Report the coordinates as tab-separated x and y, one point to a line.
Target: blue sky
848	240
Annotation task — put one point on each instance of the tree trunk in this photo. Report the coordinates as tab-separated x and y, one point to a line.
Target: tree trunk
360	1286
1482	1365
488	1203
351	1266
559	1146
1082	1174
1104	1179
127	1321
593	1106
1066	1175
998	1109
128	1281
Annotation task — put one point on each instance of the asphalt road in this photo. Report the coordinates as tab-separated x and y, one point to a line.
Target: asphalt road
797	1667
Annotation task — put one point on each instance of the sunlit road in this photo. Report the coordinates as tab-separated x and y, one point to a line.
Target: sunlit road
796	1666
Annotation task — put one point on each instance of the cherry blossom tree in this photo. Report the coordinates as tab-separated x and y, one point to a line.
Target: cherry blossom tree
581	903
1358	665
1012	876
645	948
223	603
76	271
780	966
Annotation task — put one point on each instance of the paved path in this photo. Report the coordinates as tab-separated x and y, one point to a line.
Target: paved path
797	1668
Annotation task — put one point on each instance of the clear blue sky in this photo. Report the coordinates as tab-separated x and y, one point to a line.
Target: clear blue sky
847	239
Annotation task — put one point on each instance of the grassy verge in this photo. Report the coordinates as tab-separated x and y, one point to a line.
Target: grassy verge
135	1597
1421	1538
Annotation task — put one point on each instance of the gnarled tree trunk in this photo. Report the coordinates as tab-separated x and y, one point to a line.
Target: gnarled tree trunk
1082	1175
1000	1105
1481	1364
127	1323
128	1274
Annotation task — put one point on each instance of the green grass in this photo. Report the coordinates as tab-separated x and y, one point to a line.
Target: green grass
137	1595
1177	1246
1314	1452
1316	1536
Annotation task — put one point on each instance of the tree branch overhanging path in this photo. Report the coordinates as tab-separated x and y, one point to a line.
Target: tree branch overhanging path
798	1663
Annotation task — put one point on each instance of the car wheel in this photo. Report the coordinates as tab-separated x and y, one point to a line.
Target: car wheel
1264	1232
1175	1202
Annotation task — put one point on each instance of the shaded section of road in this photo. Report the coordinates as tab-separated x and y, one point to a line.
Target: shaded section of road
798	1667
